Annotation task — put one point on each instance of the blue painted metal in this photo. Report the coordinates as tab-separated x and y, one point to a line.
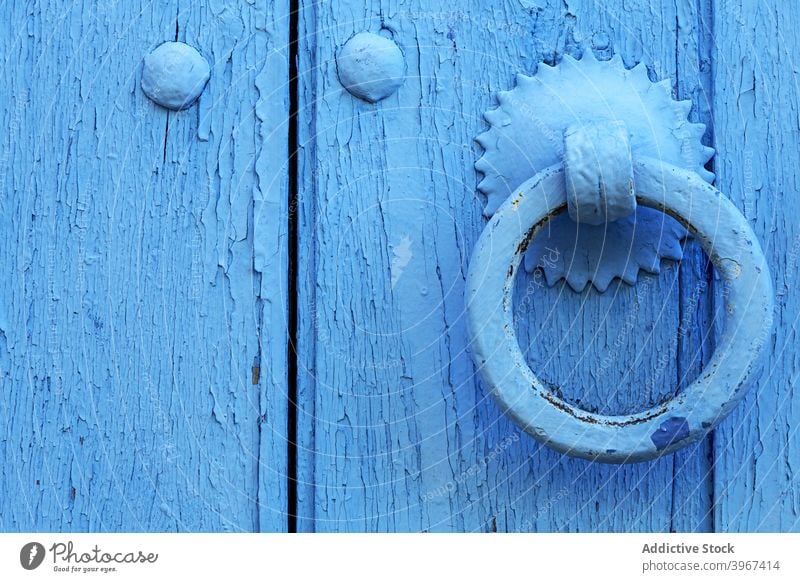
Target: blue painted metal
370	66
735	252
672	431
601	107
174	75
527	134
598	172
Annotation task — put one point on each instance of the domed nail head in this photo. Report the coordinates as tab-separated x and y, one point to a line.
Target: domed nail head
370	66
174	75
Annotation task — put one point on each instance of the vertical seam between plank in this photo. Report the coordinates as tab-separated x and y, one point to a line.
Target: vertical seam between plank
709	16
293	269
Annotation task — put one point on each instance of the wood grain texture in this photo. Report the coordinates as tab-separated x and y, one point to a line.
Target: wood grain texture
143	330
129	328
395	431
757	116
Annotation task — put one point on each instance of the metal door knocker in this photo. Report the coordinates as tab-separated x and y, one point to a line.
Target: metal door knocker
613	149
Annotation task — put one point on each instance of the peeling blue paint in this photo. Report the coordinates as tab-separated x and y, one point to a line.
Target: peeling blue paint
125	357
108	343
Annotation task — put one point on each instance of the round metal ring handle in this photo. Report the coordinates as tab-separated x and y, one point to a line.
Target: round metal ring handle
731	245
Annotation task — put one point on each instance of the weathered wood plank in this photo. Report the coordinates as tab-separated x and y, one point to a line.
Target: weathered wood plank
395	431
131	323
757	116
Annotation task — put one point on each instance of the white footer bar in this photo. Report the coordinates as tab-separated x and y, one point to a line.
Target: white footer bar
402	557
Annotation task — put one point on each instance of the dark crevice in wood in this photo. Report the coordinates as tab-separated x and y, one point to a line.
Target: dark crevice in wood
706	8
166	136
293	271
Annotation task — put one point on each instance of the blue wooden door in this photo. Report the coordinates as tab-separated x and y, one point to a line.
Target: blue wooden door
249	315
395	432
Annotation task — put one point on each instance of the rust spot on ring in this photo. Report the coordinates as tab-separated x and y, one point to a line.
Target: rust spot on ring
561	405
534	230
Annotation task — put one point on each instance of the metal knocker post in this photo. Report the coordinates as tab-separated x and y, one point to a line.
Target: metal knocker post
608	163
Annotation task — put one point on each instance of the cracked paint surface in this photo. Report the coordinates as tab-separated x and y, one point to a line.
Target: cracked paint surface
126	230
129	328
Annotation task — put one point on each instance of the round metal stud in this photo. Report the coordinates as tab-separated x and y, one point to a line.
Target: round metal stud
370	66
174	75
